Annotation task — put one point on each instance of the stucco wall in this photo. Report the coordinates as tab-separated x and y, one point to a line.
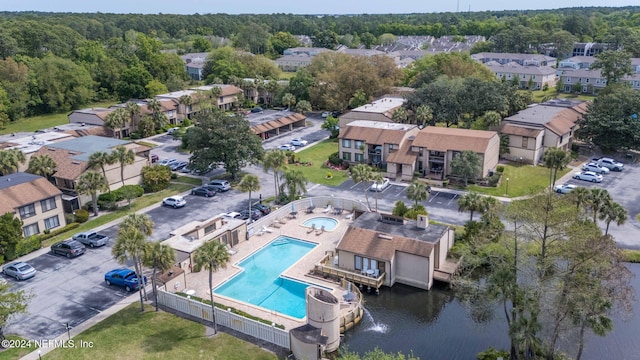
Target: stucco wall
411	270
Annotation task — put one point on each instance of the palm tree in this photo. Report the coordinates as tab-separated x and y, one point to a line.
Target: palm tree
555	159
10	161
144	224
597	201
185	101
249	183
125	157
400	115
100	159
116	119
42	165
492	118
90	183
160	257
424	114
362	173
130	245
471	202
613	212
212	256
376	177
289	100
275	160
580	196
159	119
295	182
215	91
418	191
133	110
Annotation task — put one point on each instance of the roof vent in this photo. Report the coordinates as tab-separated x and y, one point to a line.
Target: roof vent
385	236
75	162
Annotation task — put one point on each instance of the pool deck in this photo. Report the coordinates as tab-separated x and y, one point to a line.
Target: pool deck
326	242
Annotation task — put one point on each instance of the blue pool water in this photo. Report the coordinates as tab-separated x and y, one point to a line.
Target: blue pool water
260	282
328	223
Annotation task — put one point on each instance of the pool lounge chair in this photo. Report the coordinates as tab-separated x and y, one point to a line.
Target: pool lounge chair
310	209
327	209
266	229
320	231
312	229
230	250
349	216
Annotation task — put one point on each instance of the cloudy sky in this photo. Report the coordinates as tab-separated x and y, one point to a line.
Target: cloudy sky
294	6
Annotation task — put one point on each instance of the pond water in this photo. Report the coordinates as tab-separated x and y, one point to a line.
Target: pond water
434	325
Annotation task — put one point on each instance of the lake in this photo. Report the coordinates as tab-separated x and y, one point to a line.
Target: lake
434	325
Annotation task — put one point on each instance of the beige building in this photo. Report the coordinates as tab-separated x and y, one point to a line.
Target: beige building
371	142
34	200
72	160
188	238
406	252
432	149
380	110
537	128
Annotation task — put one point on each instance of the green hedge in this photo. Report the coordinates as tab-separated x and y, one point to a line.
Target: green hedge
82	215
233	310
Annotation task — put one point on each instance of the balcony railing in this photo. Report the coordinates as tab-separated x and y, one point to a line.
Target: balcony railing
350	275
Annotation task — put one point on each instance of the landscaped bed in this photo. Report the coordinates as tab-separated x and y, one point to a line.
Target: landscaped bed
523	180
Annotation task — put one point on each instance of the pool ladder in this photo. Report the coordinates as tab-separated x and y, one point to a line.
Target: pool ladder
280	242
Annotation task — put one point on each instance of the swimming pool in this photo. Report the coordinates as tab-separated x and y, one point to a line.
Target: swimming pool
260	282
320	221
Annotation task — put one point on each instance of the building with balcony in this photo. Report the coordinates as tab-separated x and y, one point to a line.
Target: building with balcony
34	200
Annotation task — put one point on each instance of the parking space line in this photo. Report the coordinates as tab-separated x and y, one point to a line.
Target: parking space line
431	198
402	189
354	185
453	198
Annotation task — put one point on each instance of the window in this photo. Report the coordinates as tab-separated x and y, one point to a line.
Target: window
358	144
48	204
358	157
390	147
346	156
346	143
30	230
27	211
51	222
525	142
209	229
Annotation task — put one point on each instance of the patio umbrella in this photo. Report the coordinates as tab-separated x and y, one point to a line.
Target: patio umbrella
293	208
310	202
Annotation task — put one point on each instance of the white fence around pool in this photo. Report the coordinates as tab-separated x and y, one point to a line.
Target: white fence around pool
233	321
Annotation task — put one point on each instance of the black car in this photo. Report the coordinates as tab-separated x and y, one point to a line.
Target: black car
256	214
264	209
202	191
68	248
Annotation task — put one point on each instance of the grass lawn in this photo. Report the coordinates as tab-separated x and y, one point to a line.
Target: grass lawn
16	352
44	121
318	155
130	334
188	180
631	255
136	205
523	180
538	95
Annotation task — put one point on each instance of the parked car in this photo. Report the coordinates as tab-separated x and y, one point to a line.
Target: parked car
166	162
154	158
68	248
564	189
174	201
588	176
220	185
232	215
380	186
264	209
299	142
203	191
178	165
173	130
611	164
256	109
596	168
19	270
91	238
286	147
326	114
255	214
125	278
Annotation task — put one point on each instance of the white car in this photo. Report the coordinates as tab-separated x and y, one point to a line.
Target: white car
166	162
564	189
174	201
286	147
595	168
380	186
232	215
588	176
325	114
299	142
611	164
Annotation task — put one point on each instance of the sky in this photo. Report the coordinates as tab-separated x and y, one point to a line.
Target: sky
294	6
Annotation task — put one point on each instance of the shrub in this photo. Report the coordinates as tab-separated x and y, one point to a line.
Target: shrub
136	190
174	176
108	197
400	208
415	211
186	122
155	178
500	169
334	159
82	215
30	244
493	180
445	183
135	135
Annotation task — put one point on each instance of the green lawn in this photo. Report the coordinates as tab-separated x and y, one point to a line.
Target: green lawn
16	352
44	121
523	180
188	180
130	334
539	95
318	155
137	204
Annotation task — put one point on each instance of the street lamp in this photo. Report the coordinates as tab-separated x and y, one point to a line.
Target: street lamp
507	191
39	352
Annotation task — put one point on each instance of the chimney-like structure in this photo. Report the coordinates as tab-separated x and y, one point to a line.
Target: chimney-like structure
423	221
